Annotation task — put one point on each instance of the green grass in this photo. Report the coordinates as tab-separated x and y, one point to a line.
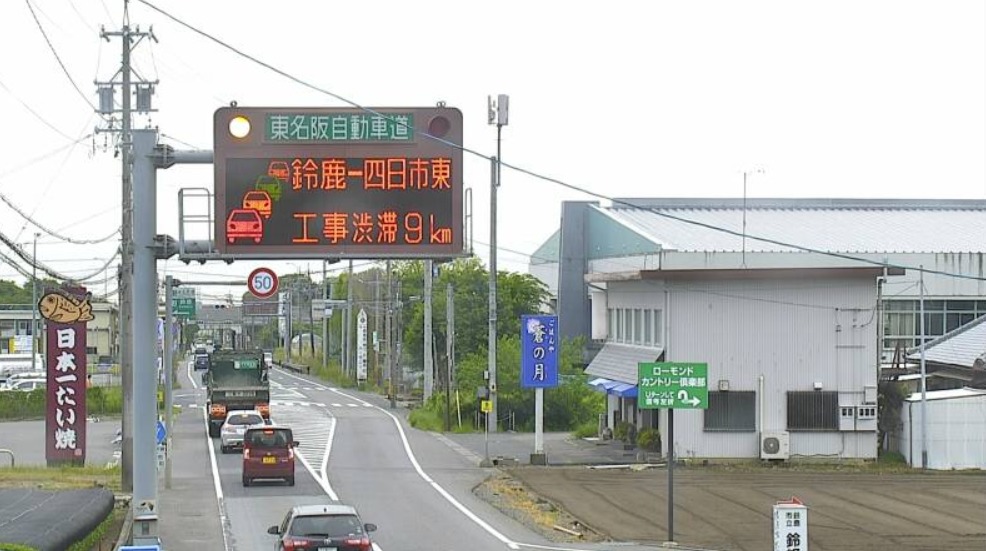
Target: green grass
60	478
586	430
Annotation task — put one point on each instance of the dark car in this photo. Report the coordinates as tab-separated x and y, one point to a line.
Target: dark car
268	453
201	362
330	526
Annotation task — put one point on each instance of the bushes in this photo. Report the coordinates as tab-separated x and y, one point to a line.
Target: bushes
31	405
586	430
649	440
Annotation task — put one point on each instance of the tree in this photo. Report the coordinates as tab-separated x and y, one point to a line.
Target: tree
517	294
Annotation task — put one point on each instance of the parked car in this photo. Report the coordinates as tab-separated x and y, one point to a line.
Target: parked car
26	385
316	527
268	453
236	424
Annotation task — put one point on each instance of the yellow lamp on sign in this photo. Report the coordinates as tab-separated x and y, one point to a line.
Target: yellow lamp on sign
239	126
486	406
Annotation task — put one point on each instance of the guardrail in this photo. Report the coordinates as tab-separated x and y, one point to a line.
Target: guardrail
11	454
297	368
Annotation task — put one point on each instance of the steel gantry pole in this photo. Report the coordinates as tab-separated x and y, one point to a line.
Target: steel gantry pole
429	368
497	115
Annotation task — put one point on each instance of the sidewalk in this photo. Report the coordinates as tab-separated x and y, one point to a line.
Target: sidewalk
189	517
561	448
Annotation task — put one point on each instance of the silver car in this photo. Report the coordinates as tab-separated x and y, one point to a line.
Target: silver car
236	424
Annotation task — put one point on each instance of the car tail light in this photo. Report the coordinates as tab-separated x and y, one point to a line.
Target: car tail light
217	410
264	410
290	544
291	454
246	452
256	226
363	544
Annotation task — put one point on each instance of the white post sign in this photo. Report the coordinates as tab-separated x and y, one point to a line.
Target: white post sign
790	525
361	346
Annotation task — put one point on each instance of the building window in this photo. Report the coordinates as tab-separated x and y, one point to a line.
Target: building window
638	326
648	327
813	410
612	324
619	325
731	411
92	350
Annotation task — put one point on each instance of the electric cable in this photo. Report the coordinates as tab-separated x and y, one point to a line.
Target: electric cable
55	233
33	112
57	58
556	181
43	156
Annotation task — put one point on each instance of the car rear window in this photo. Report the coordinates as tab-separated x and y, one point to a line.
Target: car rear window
269	438
245	419
332	526
249	216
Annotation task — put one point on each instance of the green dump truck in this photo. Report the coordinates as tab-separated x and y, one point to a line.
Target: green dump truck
236	380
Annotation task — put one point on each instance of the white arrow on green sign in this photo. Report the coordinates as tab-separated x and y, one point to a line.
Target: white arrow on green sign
672	385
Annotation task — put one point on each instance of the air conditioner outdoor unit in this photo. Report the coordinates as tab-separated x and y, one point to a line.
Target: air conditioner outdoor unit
775	445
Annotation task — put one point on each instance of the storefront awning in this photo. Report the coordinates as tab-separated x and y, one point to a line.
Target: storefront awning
618	362
617	388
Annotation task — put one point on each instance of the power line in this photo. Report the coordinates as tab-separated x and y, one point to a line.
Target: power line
44	156
550	179
55	233
33	112
55	53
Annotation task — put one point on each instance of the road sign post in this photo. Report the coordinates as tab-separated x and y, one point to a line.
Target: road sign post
672	385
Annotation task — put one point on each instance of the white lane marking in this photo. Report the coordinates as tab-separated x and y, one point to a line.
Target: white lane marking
223	519
190	378
424	476
337	405
323	480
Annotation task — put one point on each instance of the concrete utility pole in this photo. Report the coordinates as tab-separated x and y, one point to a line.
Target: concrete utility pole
429	367
348	320
376	326
168	363
498	116
129	40
35	343
325	319
449	352
389	338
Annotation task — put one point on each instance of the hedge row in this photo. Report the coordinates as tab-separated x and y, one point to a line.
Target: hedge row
31	405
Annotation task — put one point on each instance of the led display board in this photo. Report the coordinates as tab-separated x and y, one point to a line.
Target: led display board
338	182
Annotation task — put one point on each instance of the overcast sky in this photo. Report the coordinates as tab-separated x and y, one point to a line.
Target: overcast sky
858	99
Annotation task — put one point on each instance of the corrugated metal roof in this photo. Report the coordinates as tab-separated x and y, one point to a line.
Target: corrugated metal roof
946	394
618	362
830	225
961	347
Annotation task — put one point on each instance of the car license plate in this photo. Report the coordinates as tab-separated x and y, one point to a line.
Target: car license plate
326	549
270	459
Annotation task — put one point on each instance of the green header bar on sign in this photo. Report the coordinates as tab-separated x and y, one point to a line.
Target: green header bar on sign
342	127
672	385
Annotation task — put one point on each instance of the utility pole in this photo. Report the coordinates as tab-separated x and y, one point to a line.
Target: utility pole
325	319
924	383
347	327
376	326
497	115
35	343
129	40
449	352
389	338
429	367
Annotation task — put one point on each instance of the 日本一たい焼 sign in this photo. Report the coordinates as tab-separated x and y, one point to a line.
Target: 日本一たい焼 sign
672	385
340	182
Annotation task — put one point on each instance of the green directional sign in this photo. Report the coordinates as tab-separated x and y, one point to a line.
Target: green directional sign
672	385
183	307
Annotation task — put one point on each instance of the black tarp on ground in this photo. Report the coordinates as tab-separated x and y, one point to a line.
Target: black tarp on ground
51	520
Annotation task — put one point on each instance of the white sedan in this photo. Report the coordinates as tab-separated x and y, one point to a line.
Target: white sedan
237	422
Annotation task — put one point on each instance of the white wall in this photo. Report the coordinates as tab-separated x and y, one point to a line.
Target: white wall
956	433
793	332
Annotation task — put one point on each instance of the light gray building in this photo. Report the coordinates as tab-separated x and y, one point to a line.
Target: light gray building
793	304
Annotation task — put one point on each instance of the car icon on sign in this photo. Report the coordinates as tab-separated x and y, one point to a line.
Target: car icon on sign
258	201
244	224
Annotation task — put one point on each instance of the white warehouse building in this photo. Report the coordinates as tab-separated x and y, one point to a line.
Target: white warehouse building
793	305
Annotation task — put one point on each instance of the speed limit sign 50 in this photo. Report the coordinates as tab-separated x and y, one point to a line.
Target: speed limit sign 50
262	282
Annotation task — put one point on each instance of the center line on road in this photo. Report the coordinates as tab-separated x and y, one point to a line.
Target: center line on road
424	476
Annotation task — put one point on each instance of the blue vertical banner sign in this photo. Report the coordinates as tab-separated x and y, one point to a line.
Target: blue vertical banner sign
539	351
